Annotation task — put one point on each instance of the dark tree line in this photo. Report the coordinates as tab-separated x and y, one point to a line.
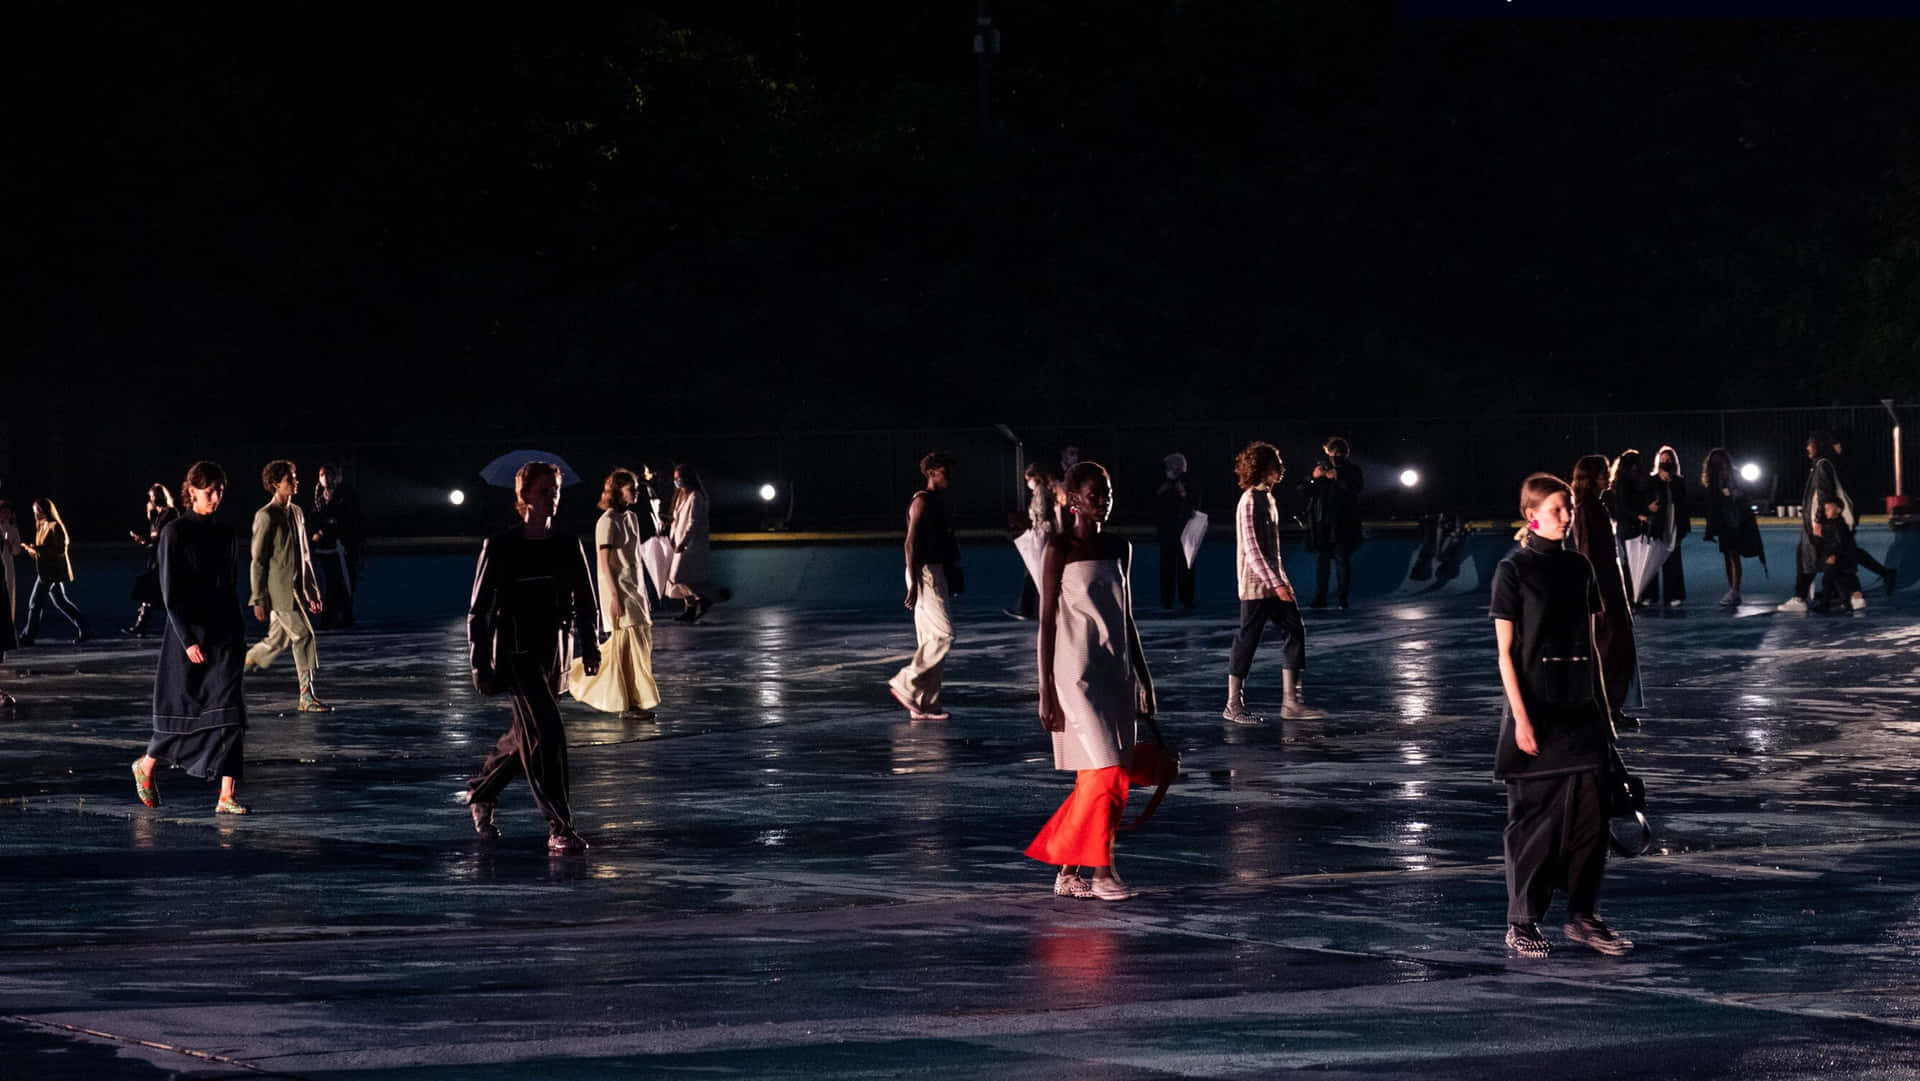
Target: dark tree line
771	213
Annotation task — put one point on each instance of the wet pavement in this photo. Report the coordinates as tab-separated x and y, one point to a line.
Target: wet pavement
790	879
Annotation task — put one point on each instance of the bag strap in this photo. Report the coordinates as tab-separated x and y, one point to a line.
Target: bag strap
1159	792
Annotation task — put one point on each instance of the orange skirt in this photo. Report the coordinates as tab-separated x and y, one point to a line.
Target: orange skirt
1080	833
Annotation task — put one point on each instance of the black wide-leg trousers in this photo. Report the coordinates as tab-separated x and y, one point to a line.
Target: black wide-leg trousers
1556	838
535	746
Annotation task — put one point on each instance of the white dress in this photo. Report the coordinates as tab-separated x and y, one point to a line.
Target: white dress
690	572
1092	674
625	680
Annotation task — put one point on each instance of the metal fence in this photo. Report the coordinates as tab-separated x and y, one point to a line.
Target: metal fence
847	480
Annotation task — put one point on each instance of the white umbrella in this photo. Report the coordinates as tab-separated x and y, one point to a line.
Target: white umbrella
500	472
1192	534
1645	555
1032	546
656	557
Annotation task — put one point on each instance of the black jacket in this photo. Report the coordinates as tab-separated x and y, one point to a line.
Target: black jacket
527	596
1333	508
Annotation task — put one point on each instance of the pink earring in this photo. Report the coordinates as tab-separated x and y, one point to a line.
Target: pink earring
1534	524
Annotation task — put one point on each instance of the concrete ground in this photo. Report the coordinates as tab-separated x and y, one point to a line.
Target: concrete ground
789	879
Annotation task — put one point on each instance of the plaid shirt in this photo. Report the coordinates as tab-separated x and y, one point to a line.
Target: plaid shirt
1258	571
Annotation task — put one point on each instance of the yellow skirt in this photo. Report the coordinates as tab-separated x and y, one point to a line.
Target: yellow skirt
625	679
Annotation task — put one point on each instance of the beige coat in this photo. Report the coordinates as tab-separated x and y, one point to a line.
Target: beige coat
282	573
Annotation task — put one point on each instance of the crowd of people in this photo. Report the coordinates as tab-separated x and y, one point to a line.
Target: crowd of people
545	620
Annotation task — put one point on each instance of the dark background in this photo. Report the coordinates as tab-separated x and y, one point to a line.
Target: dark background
327	227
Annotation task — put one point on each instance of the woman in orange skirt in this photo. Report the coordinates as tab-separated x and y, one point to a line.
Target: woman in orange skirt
1094	684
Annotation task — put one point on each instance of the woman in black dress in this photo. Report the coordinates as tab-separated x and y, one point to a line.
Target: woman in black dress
1591	534
1669	487
199	714
146	588
1633	507
1553	732
1729	520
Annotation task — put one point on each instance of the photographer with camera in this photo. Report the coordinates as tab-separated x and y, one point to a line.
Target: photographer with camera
1333	519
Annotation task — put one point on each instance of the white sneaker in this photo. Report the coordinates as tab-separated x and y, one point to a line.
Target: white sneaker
1796	606
1729	599
1675	604
1111	888
1066	885
1857	602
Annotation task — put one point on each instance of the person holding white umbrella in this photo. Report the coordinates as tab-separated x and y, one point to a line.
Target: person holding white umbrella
532	587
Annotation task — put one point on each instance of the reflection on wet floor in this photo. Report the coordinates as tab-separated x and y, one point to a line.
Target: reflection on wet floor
788	878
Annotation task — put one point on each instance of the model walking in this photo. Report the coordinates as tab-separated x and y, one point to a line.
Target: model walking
53	569
146	588
1093	685
199	712
933	556
284	588
691	573
1591	535
1265	592
1729	520
625	680
1553	730
531	588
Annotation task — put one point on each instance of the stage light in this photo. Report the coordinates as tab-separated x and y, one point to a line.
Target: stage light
1750	472
767	492
1409	478
456	497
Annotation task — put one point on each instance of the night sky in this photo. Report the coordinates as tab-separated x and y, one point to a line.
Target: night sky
760	215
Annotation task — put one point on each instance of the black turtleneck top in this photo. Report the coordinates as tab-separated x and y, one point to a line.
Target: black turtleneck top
1549	595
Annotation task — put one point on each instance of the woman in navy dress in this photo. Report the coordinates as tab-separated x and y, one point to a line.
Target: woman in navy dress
199	714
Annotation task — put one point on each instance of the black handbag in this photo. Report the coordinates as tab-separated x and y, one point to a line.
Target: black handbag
1624	796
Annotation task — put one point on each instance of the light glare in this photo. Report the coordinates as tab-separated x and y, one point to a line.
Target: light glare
1750	472
767	493
456	497
1409	478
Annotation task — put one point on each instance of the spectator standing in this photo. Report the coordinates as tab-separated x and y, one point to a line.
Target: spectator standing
339	536
1333	519
1729	520
1823	486
146	588
1174	504
1668	484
